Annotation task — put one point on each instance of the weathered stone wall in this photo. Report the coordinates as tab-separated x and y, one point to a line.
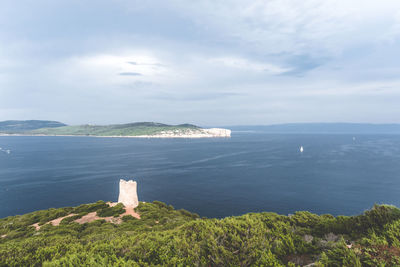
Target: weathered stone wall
128	193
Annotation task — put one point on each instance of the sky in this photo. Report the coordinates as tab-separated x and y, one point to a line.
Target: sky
211	63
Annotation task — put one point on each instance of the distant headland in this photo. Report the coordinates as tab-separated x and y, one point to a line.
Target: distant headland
138	129
321	128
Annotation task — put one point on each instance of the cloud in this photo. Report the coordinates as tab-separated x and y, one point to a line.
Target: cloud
104	66
195	97
146	64
301	64
309	26
130	74
227	62
247	65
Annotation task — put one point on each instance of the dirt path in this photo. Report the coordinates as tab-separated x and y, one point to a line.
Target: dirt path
131	211
36	225
92	216
56	222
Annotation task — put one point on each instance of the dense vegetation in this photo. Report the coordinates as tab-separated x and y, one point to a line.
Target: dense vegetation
167	237
22	126
131	129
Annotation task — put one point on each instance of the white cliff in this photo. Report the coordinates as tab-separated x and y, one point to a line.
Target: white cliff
128	193
175	133
218	132
191	133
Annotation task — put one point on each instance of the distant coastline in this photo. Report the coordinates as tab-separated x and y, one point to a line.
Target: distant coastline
131	130
321	128
194	136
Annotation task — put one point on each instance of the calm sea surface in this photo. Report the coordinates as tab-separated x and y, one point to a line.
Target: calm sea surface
250	172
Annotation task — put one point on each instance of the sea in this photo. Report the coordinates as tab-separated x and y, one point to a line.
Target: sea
338	174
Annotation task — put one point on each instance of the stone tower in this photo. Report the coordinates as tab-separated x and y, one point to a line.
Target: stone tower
128	193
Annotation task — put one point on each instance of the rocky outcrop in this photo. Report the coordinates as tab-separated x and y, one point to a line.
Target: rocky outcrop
191	133
218	132
128	193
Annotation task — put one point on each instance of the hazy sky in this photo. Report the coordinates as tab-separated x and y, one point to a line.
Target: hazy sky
203	62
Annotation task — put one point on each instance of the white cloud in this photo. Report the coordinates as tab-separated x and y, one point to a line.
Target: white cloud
248	62
309	26
248	65
108	67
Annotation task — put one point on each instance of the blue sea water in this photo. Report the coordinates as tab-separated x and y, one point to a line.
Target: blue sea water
250	172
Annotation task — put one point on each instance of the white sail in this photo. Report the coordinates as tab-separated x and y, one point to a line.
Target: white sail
301	149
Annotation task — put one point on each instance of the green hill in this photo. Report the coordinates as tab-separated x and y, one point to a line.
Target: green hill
167	237
23	126
35	127
130	129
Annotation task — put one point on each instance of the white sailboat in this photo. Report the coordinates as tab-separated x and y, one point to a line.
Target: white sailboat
301	149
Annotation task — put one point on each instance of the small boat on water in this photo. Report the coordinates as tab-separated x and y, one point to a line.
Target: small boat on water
301	149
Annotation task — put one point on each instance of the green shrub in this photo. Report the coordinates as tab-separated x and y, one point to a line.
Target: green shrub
167	237
111	211
90	207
